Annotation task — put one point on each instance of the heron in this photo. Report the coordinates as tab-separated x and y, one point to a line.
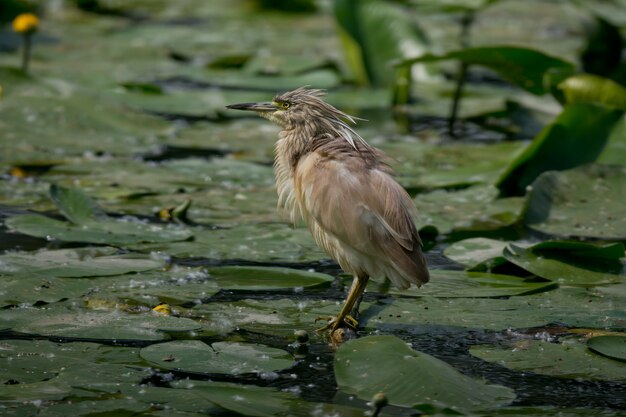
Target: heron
344	190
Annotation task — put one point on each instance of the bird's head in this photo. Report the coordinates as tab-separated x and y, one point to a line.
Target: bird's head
296	107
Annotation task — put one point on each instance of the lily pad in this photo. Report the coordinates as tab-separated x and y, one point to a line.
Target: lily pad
565	273
568	359
613	347
60	321
220	357
74	263
394	373
267	278
474	209
583	202
475	252
568	305
464	284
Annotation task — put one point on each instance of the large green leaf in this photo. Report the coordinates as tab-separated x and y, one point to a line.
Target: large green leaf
571	306
90	223
576	137
554	268
266	278
589	88
569	359
374	33
220	357
583	202
477	252
523	67
74	263
77	207
613	347
60	321
408	378
470	210
112	232
452	284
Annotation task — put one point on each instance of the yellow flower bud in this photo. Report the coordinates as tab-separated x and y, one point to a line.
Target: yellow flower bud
25	23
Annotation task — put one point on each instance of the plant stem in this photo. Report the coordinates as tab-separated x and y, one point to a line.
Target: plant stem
26	44
466	23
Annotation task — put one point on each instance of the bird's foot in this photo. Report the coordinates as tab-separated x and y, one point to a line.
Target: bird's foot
334	324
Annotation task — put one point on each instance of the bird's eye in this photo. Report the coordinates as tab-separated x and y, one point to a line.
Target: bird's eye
286	104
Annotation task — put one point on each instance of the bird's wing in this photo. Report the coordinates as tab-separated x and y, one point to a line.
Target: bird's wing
363	207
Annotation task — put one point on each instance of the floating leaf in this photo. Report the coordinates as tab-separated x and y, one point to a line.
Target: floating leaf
567	305
74	263
613	347
220	357
76	206
394	372
113	232
266	278
475	252
60	321
584	202
569	359
523	67
568	273
452	284
473	209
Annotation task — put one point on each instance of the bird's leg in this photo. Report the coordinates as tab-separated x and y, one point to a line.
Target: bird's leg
354	296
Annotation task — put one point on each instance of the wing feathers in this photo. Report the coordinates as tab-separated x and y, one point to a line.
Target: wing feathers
361	216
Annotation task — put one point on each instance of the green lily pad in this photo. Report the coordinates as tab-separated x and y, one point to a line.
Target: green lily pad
26	290
60	321
267	278
453	284
113	232
583	202
394	370
576	137
474	209
220	357
565	273
572	306
256	241
74	263
90	224
39	369
568	359
477	252
613	347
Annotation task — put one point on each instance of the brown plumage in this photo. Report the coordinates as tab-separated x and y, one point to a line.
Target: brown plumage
344	191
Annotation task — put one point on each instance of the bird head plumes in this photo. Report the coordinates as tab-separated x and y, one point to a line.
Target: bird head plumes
304	108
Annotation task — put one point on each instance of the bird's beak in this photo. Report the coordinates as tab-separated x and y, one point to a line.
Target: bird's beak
260	107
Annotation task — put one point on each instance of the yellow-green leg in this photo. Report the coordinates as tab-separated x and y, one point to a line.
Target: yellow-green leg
344	318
